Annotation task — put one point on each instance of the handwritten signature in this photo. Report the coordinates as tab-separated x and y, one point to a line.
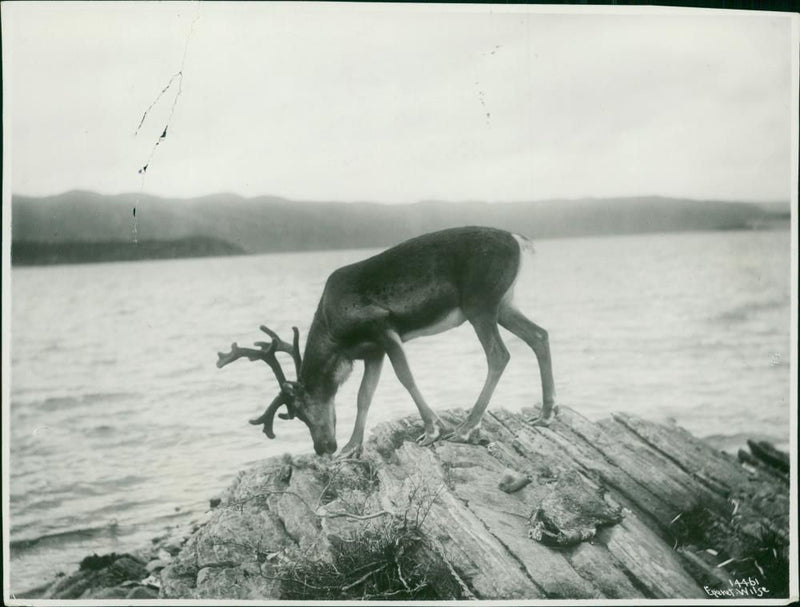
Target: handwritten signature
740	587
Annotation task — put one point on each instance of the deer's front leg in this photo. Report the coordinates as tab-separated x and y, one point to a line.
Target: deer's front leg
372	373
393	346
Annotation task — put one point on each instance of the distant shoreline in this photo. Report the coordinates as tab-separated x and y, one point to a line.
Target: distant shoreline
28	253
81	227
32	253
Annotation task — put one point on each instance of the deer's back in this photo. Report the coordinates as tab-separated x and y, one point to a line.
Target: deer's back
423	279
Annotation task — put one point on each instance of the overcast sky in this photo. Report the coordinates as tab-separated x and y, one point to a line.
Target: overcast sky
396	103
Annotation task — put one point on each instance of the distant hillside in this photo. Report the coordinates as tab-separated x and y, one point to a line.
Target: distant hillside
30	253
267	223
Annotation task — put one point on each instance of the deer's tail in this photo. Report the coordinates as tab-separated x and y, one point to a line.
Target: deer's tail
525	244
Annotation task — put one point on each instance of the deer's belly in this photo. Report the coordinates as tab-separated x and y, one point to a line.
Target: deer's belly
449	321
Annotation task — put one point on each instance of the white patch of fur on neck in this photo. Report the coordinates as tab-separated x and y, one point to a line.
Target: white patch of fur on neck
342	371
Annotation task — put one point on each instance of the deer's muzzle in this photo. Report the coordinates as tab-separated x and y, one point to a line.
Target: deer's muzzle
325	446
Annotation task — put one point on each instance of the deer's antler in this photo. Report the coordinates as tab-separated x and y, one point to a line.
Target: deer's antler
266	353
268	416
292	349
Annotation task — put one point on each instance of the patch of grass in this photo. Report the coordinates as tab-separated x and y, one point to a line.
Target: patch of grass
387	561
766	557
763	555
383	556
693	526
348	477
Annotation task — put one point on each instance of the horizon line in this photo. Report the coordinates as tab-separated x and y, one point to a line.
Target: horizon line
182	199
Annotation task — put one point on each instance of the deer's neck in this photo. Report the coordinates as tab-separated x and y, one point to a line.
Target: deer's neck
325	367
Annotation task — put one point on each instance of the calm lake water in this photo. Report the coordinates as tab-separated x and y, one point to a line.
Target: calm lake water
121	424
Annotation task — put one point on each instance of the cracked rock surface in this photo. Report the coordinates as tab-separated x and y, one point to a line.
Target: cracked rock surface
605	494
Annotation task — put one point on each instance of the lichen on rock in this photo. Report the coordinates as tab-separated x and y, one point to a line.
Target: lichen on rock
572	512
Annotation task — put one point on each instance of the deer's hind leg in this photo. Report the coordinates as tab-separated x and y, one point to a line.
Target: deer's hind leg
497	358
536	337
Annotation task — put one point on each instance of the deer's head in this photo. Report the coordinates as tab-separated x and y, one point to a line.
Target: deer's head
317	413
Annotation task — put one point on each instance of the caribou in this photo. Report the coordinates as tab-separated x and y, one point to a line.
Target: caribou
369	309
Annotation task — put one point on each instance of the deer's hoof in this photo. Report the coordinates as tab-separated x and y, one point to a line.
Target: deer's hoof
349	452
428	438
544	420
463	434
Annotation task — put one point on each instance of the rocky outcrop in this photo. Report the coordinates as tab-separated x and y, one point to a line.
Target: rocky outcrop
621	508
118	576
111	576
